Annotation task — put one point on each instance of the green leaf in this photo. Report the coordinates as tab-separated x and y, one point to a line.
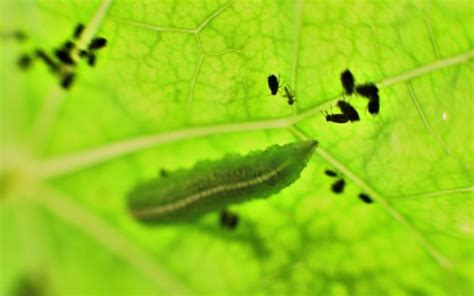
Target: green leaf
183	81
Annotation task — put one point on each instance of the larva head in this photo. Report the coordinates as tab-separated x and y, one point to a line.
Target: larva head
292	158
304	150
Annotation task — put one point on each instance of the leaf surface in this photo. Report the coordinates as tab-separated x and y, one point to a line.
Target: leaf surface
184	81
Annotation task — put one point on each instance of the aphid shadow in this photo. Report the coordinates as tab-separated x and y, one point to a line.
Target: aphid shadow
31	284
295	262
16	35
246	234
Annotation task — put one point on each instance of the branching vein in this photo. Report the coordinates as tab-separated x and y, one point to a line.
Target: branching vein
425	121
442	260
65	164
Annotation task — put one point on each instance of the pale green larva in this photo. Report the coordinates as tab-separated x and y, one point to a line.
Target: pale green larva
213	185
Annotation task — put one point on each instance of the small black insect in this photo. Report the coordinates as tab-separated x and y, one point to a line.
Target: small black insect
348	110
365	198
338	186
64	56
78	31
368	90
163	173
83	53
97	43
41	54
337	118
273	84
348	81
64	53
67	80
330	173
68	45
374	106
24	61
91	59
289	95
228	219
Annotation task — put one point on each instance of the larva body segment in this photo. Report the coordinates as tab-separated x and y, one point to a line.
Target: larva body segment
214	185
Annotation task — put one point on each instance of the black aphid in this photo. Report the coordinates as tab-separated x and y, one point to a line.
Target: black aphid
338	186
69	45
348	110
91	59
228	220
64	56
41	54
368	90
365	198
330	173
289	95
348	81
24	61
273	84
97	43
64	53
67	80
337	118
78	31
83	53
374	106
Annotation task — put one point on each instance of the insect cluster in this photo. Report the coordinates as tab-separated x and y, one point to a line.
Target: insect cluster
348	113
274	85
339	184
62	62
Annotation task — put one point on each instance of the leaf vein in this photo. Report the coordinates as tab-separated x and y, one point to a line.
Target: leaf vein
64	164
428	127
434	193
440	258
296	46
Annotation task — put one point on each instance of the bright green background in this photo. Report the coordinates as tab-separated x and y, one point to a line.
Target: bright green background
182	81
